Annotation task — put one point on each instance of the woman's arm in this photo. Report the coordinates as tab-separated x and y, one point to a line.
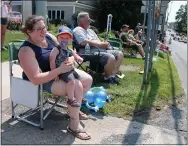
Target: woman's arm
31	68
76	56
53	38
10	6
53	56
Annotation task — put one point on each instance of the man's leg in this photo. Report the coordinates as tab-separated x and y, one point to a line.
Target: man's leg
110	65
119	58
140	49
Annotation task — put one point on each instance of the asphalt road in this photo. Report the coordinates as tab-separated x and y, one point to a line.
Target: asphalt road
179	56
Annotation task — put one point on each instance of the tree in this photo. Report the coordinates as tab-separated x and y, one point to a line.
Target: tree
181	19
123	12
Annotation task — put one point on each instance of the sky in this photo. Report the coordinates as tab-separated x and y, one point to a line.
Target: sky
175	5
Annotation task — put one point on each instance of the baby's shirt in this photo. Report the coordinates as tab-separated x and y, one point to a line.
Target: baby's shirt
62	56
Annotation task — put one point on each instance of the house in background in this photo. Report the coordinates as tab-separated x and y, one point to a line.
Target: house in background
17	6
56	9
64	10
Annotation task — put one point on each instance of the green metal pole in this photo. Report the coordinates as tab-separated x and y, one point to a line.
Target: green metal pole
153	37
147	43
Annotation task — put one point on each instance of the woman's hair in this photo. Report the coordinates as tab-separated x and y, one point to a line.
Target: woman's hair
131	31
30	22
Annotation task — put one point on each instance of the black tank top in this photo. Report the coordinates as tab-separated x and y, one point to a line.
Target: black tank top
42	54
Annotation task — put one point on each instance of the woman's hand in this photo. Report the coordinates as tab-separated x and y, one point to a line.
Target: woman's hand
57	79
70	61
103	45
65	67
79	59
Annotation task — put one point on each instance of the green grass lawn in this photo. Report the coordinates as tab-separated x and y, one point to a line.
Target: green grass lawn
164	87
10	36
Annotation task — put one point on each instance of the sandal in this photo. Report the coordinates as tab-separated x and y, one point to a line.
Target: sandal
82	116
84	101
77	132
73	103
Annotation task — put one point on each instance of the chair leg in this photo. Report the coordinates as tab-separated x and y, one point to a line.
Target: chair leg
53	105
80	66
12	106
41	108
58	104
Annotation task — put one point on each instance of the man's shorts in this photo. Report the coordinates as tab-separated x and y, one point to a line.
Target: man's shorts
104	56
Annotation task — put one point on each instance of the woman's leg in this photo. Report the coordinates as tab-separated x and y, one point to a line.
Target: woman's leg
59	88
71	95
3	32
85	79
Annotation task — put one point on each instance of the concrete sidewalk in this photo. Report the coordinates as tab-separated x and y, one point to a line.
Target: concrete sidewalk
105	130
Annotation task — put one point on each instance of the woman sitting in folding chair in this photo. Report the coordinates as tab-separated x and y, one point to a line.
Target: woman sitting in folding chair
34	55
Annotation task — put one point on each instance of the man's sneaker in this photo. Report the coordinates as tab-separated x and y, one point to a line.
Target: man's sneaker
3	48
111	81
120	75
115	81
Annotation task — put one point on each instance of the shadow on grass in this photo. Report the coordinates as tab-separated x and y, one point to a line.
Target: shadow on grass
176	112
145	100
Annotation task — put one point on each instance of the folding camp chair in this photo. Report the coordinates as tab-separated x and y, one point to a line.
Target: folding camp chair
116	44
24	93
90	63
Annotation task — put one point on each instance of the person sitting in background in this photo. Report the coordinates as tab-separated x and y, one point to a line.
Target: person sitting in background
164	47
110	60
131	37
138	28
139	36
127	42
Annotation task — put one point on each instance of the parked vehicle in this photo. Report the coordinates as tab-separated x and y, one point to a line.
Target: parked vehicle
15	16
185	40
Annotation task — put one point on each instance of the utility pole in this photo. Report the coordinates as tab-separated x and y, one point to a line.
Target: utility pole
144	22
163	21
147	43
26	9
41	8
152	48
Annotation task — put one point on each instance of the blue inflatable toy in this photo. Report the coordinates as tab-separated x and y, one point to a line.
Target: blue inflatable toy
97	96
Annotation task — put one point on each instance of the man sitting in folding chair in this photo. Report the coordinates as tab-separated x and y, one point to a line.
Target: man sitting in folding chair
34	55
109	59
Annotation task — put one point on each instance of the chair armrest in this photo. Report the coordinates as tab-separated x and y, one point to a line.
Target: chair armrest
92	56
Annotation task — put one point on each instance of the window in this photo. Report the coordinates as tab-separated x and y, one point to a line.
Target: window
49	14
62	14
56	14
53	14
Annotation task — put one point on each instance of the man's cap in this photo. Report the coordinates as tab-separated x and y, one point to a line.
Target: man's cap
64	30
124	26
